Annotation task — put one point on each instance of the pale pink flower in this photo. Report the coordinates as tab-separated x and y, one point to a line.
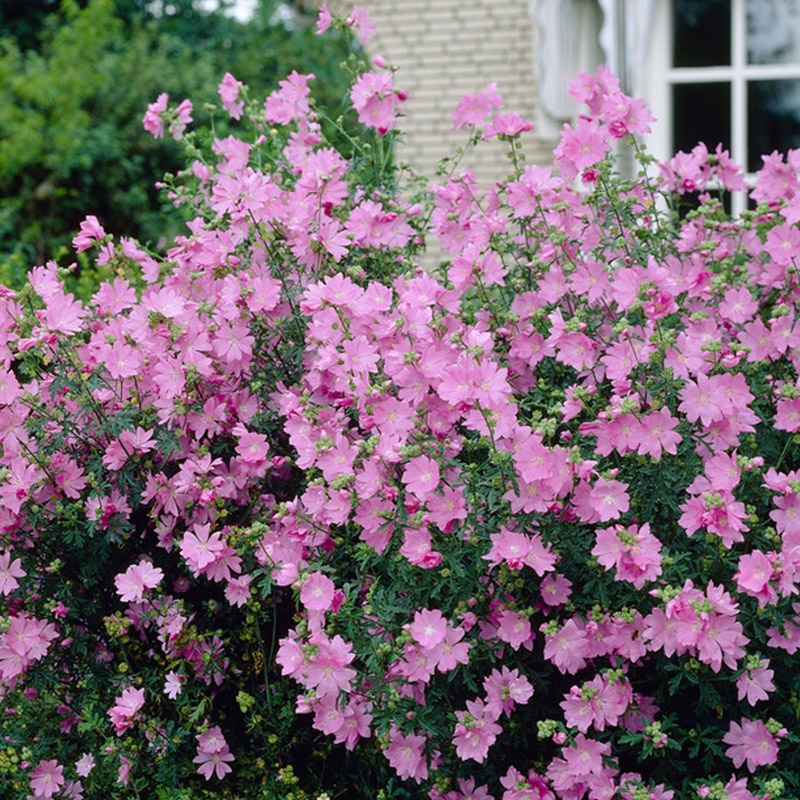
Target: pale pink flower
429	628
91	233
421	476
201	547
756	684
586	757
84	765
229	93
362	22
127	706
609	499
317	592
505	689
568	648
47	777
9	572
634	551
452	650
324	20
750	741
132	583
237	591
473	109
173	684
514	629
556	590
210	763
417	548
405	755
476	731
153	123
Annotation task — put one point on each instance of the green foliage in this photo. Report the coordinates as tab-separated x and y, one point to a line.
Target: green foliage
71	107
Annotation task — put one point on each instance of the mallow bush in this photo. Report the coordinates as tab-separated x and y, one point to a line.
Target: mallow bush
285	515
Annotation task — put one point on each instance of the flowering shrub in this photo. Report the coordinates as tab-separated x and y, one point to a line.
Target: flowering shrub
284	513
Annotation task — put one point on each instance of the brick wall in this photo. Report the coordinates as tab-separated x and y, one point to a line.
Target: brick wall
443	48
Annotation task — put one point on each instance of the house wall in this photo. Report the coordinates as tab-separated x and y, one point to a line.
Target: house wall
443	48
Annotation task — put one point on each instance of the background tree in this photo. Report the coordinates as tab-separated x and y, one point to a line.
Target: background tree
75	80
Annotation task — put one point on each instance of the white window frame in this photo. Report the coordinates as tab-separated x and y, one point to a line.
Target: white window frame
659	76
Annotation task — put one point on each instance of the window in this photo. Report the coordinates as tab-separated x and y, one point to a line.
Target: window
725	71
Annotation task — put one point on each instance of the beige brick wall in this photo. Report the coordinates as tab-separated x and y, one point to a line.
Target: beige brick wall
443	48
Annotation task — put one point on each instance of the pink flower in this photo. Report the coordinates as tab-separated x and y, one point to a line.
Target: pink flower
124	770
9	572
47	777
362	22
567	648
229	93
556	590
703	401
755	572
429	628
756	683
251	447
586	757
738	304
84	765
237	591
510	124
476	731
750	741
452	650
327	671
127	706
609	499
213	762
202	547
405	755
514	629
290	101
421	476
376	100
597	703
324	20
473	109
518	787
153	122
91	233
173	684
317	592
138	577
634	551
418	550
580	148
184	117
504	690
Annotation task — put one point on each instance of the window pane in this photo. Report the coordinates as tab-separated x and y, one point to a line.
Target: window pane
701	113
701	33
773	31
773	113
